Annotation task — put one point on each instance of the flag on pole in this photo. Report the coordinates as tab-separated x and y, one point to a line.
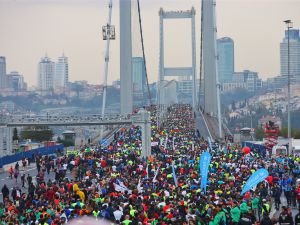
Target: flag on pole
154	178
174	175
257	177
204	165
147	171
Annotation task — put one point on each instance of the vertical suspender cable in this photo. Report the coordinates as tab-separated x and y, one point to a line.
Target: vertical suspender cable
143	49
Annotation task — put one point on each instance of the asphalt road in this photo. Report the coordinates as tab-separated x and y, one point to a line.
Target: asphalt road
32	170
201	126
5	179
275	213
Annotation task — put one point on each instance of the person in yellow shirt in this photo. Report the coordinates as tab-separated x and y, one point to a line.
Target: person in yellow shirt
81	195
75	187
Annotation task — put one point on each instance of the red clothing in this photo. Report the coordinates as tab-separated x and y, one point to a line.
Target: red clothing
166	207
70	186
50	194
269	179
297	193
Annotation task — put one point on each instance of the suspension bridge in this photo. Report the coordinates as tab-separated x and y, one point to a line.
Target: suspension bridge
205	99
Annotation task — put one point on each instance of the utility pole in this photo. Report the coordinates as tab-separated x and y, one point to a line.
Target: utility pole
289	26
108	33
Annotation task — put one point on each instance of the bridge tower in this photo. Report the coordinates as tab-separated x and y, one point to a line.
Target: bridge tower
125	57
188	72
210	59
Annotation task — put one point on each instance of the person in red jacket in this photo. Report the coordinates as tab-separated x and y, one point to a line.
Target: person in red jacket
50	194
298	195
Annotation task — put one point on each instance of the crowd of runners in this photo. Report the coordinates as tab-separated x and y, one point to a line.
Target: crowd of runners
115	183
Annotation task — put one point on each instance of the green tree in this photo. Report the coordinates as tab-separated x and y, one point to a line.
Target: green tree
15	135
259	133
37	134
64	142
295	133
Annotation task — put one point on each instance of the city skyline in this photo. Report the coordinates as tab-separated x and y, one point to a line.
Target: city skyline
75	28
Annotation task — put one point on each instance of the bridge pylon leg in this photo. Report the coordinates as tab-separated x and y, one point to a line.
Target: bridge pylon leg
143	120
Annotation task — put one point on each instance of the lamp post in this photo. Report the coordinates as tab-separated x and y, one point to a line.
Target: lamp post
289	26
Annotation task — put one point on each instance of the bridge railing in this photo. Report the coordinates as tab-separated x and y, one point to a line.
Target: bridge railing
28	154
61	118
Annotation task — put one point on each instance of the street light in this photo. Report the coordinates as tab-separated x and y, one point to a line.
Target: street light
289	26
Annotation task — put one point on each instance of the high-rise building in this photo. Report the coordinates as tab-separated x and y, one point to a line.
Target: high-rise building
61	72
16	81
225	47
247	79
46	74
294	54
3	80
138	76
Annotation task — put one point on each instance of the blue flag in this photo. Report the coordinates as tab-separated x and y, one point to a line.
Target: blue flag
174	175
204	165
257	177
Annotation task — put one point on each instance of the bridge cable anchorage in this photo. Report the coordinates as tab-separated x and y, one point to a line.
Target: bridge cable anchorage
143	49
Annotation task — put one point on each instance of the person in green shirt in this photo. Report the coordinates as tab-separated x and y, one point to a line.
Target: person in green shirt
127	221
244	207
220	217
235	213
255	206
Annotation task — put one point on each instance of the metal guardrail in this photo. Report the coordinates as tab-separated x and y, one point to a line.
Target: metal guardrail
14	121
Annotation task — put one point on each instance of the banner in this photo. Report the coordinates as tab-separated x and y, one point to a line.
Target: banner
174	175
204	165
120	187
166	142
139	187
154	178
257	177
147	171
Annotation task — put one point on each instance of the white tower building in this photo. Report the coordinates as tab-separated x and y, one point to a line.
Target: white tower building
46	74
61	72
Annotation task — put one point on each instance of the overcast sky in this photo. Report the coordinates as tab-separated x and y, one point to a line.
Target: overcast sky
31	28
